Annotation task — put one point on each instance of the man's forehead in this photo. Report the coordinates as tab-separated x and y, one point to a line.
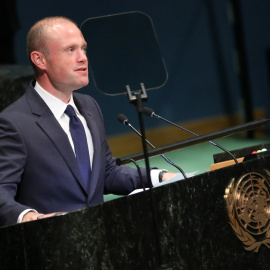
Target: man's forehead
66	40
65	28
61	25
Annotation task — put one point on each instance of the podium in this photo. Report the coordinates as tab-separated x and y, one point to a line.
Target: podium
195	229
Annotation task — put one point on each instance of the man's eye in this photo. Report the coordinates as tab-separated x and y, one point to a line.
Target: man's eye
84	49
70	50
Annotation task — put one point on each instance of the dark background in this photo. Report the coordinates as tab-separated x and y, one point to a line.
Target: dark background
197	41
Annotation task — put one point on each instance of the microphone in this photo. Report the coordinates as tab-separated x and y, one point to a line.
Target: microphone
151	113
124	120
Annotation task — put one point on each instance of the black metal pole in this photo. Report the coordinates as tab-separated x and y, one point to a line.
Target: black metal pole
138	103
238	30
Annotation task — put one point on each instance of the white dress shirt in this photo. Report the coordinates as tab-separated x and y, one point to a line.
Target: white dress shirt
58	108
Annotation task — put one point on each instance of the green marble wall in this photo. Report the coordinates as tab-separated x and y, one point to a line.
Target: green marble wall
14	80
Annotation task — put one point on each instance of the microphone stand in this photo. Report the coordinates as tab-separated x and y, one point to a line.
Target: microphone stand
137	97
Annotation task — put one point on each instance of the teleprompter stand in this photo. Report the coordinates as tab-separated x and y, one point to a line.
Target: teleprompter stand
136	98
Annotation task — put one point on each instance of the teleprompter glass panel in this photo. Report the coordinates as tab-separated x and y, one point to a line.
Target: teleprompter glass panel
123	51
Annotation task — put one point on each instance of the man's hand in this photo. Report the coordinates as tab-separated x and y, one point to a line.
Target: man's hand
167	176
31	216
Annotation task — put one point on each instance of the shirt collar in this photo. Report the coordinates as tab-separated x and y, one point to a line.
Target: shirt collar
56	105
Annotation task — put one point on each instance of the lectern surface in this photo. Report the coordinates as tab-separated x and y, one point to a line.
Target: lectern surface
194	229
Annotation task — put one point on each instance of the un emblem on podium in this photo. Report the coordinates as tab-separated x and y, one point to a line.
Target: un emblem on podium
248	206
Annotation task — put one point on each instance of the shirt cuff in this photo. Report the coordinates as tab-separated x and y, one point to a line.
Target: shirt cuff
155	176
19	220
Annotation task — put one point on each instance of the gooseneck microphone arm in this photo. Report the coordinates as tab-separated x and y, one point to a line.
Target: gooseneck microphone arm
151	113
139	172
124	120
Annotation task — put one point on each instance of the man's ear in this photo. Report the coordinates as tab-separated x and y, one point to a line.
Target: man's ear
38	59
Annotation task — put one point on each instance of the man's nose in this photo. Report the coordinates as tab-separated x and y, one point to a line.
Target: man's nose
82	56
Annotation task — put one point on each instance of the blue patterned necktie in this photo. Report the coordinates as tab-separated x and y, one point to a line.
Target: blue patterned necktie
80	144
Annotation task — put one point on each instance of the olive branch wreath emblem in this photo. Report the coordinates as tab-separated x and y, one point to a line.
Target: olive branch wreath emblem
248	207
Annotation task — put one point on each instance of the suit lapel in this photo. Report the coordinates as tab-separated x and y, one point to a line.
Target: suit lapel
86	112
54	131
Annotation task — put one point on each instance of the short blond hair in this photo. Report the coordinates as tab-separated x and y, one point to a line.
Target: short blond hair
37	35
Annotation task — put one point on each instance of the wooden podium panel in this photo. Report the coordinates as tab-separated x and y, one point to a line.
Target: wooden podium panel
193	230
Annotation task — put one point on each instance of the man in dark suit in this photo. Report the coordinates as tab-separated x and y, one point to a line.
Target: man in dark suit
39	172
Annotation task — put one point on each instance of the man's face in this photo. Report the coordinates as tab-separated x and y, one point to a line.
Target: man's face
66	64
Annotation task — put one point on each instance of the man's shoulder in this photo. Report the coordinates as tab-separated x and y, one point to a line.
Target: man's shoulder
20	102
82	96
16	105
84	99
87	104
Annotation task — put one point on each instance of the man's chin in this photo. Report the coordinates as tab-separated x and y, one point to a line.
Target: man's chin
81	85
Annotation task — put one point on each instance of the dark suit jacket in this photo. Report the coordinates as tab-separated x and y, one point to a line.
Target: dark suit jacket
38	168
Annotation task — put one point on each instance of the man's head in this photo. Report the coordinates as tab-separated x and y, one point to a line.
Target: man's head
57	51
